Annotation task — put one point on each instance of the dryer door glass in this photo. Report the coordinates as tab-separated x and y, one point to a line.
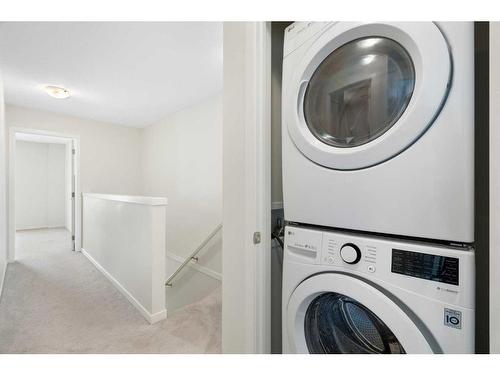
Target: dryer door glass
335	323
359	91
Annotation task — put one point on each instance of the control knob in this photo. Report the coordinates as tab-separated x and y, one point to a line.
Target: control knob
350	253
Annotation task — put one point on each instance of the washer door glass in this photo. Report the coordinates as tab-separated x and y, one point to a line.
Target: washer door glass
359	91
335	323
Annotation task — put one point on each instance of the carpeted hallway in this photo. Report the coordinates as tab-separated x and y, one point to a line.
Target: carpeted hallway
55	301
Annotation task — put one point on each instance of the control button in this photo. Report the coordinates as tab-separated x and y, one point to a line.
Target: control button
350	253
330	260
371	268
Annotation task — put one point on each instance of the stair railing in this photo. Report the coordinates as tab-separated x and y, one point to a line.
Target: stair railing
193	256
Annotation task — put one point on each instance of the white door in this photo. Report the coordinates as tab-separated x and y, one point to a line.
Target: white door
364	92
336	313
73	194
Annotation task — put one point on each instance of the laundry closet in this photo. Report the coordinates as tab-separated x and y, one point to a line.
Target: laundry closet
375	132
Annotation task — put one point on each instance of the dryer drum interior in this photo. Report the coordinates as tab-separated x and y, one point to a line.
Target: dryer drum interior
335	323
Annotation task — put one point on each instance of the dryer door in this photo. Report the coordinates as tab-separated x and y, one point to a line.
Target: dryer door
335	313
364	92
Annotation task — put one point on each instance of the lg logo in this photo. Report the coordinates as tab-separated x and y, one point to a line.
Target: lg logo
453	318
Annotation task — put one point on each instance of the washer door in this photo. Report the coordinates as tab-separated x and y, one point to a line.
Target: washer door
364	92
335	313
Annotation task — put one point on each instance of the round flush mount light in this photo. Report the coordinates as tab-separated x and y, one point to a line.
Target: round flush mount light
57	92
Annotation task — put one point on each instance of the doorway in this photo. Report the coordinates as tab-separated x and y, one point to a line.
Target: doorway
43	189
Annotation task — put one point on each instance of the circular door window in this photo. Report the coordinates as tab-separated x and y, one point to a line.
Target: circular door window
359	91
337	324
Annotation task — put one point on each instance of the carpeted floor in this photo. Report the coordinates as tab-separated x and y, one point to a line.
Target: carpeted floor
56	301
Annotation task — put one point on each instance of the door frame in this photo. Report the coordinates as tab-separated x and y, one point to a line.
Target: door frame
11	205
246	282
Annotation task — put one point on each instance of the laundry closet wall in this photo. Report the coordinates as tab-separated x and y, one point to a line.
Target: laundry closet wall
277	35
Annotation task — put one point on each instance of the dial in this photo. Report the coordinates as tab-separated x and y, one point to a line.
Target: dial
350	253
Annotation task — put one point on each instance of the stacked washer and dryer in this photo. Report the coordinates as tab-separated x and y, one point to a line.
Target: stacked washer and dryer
378	186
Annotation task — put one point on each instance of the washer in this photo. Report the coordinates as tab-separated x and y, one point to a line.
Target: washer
364	294
378	127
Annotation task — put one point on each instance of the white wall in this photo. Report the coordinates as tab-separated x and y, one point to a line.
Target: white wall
110	155
125	239
494	187
56	186
234	308
179	158
3	191
41	197
69	184
182	160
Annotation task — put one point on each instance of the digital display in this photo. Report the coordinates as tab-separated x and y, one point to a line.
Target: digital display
425	266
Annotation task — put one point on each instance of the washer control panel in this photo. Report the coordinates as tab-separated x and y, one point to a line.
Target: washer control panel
438	272
350	253
339	250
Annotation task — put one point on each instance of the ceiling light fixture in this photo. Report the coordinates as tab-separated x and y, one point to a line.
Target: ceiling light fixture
57	92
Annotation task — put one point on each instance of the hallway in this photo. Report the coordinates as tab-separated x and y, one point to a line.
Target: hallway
56	301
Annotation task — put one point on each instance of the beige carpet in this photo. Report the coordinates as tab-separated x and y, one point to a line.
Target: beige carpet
56	301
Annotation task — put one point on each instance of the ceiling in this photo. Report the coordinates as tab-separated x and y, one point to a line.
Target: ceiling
127	73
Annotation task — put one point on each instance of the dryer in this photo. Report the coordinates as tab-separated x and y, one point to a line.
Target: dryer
378	127
345	293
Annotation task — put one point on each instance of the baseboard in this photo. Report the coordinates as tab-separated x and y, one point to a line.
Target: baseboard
151	318
205	270
40	228
30	228
2	278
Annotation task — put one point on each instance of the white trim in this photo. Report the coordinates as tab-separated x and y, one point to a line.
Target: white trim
494	126
2	279
11	203
40	228
262	99
148	201
151	318
246	286
205	270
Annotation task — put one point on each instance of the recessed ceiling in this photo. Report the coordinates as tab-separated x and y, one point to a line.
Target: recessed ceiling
127	73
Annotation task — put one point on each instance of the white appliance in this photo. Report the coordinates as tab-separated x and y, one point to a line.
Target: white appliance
364	294
378	127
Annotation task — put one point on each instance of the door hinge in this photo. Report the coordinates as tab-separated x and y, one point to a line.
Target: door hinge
256	238
73	194
73	151
73	238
